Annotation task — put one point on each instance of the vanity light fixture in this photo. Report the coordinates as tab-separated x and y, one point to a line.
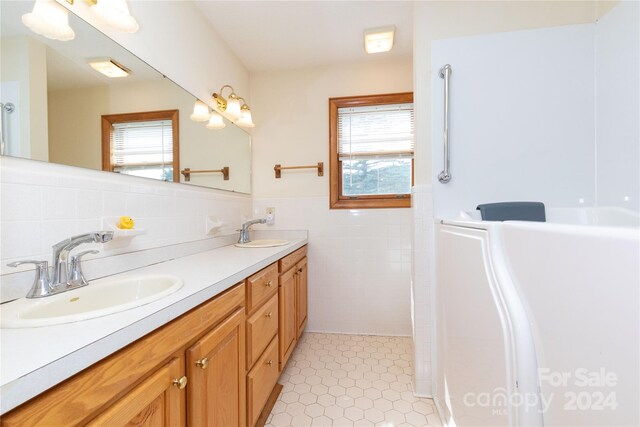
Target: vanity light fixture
200	112
116	14
109	68
215	121
378	40
50	20
230	106
245	116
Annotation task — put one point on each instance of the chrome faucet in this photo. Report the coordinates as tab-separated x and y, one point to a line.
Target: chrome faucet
43	286
61	252
244	231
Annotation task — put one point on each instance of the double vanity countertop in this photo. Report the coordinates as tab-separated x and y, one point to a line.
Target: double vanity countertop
35	359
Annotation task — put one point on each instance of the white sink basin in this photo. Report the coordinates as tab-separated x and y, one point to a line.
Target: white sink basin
263	243
100	298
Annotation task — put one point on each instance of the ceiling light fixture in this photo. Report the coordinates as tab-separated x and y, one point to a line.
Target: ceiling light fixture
200	112
109	67
116	14
378	40
49	19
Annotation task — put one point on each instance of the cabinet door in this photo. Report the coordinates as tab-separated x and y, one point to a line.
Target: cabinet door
301	295
158	400
215	367
287	330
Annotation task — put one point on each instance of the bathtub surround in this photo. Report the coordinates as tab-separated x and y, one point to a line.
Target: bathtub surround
521	118
618	107
568	137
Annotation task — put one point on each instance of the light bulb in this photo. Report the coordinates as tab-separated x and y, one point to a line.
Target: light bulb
233	108
49	19
116	14
200	112
245	119
215	121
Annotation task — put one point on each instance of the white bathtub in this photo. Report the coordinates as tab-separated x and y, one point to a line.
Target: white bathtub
538	323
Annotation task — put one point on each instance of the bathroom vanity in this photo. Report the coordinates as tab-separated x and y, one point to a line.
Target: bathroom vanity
215	364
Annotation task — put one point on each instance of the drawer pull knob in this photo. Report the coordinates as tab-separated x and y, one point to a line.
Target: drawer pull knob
180	383
203	363
268	284
270	362
269	315
300	270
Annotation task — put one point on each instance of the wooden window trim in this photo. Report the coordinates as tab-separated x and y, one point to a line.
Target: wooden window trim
108	120
337	200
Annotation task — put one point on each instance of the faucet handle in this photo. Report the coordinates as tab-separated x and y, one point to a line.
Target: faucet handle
77	277
41	284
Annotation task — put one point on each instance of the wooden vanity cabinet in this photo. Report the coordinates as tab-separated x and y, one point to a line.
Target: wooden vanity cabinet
301	295
287	330
215	365
292	288
215	368
146	383
156	401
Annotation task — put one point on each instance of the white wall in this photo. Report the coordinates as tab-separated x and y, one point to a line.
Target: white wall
617	107
359	271
521	119
24	64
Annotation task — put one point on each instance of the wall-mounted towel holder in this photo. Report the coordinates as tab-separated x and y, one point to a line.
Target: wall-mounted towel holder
187	172
280	168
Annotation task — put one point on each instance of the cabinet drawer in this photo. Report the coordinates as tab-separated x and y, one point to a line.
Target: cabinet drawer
261	328
261	380
290	260
261	286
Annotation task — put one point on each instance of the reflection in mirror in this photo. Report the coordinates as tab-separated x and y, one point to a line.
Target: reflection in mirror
59	105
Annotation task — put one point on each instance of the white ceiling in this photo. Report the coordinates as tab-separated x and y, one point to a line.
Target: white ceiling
272	35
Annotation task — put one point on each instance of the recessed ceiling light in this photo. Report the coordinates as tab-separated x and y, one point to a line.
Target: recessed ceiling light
379	39
109	68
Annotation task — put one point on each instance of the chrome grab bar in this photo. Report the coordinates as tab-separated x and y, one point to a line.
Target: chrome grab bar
445	73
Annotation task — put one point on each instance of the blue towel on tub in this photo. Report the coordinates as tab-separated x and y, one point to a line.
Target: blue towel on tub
512	211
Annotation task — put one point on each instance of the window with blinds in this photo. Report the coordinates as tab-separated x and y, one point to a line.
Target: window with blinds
143	144
373	150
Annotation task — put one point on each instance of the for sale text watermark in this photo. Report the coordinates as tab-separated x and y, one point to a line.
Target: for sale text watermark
578	390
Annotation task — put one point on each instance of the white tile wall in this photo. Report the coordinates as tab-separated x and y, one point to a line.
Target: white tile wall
360	264
41	204
422	288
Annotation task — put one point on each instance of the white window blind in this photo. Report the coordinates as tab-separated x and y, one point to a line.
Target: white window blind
140	144
378	131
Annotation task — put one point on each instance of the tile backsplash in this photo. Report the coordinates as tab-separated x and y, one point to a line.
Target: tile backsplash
42	204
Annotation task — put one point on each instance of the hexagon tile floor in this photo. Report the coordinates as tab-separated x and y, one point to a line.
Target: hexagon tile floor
350	380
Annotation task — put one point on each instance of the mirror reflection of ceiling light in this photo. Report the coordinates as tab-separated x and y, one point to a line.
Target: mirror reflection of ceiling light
378	40
215	121
116	14
230	106
200	112
109	68
49	19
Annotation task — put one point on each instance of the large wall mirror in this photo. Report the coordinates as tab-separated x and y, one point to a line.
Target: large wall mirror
55	107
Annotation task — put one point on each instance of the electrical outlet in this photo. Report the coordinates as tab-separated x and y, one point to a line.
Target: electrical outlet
271	216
